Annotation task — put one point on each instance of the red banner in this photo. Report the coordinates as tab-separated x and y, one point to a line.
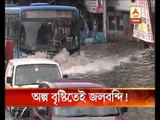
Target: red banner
123	97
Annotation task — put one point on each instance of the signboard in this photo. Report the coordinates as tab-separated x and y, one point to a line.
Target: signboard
47	14
135	14
143	30
94	6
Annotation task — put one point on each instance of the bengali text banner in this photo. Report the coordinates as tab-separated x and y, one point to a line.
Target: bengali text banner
80	97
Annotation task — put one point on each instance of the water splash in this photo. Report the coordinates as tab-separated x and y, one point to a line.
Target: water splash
39	55
81	64
97	66
66	61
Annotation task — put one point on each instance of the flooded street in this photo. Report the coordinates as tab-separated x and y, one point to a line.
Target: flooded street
116	64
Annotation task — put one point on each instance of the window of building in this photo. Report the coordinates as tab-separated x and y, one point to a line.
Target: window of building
112	23
111	18
119	22
115	20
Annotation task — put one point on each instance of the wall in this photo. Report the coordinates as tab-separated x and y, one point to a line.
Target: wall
124	5
125	34
120	5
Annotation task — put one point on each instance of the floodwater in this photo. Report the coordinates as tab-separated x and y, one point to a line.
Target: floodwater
116	64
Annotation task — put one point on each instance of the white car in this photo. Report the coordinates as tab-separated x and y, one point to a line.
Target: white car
29	72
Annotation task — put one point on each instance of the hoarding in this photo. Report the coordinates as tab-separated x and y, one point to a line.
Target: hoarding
94	6
143	31
135	15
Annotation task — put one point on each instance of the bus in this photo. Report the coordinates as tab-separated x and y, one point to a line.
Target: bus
42	28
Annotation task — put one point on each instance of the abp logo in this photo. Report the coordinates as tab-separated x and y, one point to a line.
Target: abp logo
135	14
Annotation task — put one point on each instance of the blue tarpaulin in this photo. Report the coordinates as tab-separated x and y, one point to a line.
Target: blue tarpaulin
92	37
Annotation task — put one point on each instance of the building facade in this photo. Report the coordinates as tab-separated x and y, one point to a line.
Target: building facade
118	20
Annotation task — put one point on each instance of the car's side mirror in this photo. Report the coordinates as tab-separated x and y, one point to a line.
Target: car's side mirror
124	109
65	76
9	80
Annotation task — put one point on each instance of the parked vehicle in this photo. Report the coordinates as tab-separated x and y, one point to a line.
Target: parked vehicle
75	113
28	73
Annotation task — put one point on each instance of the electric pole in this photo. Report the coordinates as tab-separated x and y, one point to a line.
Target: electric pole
104	20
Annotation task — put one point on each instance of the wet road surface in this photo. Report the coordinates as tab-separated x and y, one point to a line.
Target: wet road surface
117	65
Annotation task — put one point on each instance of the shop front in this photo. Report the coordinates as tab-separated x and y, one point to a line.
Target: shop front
92	17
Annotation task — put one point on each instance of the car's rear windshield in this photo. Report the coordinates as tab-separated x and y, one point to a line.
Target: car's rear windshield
36	73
